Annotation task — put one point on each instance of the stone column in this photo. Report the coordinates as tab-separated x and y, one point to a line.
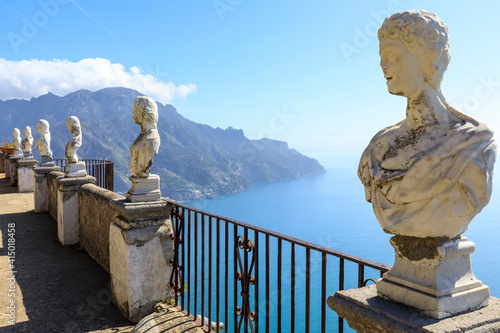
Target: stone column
7	166
26	175
140	250
41	188
68	214
2	162
14	166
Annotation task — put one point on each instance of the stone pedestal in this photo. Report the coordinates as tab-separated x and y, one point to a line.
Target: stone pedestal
140	249
7	166
434	275
2	162
14	169
366	312
41	193
144	189
47	161
68	215
26	175
76	170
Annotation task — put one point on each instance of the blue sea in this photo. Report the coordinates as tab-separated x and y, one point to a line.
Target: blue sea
330	210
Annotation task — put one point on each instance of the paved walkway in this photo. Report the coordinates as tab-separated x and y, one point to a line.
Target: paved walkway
57	288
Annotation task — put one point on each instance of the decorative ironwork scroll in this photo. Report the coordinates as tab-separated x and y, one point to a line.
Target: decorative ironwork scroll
246	316
177	220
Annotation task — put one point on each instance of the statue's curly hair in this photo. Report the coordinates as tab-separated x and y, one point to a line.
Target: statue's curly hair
425	36
44	124
27	129
74	122
148	108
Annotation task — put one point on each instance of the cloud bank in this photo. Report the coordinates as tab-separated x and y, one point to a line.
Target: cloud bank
32	78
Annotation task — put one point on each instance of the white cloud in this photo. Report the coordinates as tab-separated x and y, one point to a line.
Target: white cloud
32	78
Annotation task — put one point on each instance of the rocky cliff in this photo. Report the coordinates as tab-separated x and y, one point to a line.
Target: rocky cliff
195	161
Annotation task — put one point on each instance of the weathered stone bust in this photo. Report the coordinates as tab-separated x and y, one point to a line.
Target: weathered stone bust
17	140
43	144
428	175
27	142
431	173
147	144
73	124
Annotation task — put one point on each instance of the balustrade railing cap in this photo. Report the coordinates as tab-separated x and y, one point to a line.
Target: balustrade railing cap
75	181
142	211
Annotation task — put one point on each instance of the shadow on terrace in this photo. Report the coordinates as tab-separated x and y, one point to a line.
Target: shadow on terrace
57	288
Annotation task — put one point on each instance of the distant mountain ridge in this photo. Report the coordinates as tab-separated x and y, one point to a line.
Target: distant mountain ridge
195	161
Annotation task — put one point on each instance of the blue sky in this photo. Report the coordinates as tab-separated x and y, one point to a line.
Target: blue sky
304	72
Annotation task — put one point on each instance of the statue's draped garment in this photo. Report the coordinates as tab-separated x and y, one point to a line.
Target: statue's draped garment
443	188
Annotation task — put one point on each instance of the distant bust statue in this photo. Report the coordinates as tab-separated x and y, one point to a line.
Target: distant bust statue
430	174
43	144
28	141
146	146
73	124
17	139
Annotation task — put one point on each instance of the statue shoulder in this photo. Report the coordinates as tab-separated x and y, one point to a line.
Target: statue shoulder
383	137
376	148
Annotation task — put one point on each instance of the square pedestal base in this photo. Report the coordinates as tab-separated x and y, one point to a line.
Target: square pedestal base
14	167
437	307
68	209
434	276
144	189
41	194
47	161
366	312
76	170
7	166
26	176
140	270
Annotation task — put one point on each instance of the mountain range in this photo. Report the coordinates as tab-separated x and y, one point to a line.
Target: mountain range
195	161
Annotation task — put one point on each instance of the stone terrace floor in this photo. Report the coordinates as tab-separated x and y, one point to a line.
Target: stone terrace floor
58	288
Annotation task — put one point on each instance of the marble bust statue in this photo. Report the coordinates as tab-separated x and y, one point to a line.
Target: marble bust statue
17	140
28	141
43	144
431	173
146	145
73	124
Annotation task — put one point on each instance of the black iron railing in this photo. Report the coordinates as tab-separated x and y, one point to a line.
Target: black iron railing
242	276
101	170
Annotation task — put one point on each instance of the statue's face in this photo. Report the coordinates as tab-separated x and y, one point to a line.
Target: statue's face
402	70
137	114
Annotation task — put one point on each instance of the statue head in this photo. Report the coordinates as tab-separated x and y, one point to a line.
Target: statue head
27	131
145	110
414	47
73	124
42	126
16	133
